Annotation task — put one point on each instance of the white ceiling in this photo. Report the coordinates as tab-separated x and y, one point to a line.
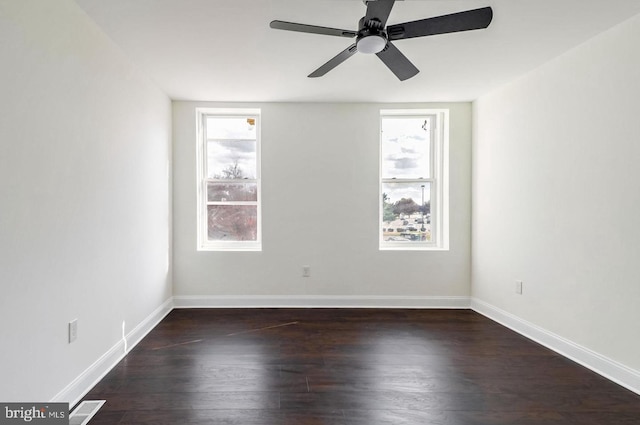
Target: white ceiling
224	50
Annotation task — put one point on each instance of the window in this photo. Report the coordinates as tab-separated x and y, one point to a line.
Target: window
229	179
413	179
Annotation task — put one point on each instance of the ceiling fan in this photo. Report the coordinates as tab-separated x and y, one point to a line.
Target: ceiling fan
373	37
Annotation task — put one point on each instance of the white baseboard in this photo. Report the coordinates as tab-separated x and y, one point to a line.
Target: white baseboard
319	301
144	327
598	363
79	387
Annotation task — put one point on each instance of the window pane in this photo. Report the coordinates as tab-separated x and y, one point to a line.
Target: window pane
406	211
231	159
406	148
231	128
226	192
232	222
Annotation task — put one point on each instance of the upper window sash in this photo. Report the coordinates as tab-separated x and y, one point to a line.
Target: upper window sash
396	163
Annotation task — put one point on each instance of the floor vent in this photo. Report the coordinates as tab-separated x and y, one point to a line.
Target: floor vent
85	411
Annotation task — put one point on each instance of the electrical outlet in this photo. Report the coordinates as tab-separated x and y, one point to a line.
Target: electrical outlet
306	271
73	330
519	287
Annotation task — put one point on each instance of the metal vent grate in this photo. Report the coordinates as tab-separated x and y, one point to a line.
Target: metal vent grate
85	411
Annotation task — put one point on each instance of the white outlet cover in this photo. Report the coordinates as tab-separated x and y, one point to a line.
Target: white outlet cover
518	287
73	330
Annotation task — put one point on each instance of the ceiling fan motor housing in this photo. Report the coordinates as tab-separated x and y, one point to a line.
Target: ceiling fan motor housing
372	37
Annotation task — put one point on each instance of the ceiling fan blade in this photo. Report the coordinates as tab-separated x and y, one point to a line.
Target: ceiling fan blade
397	62
313	29
461	21
380	10
337	60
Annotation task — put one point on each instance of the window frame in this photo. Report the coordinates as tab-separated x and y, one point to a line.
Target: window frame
203	242
438	180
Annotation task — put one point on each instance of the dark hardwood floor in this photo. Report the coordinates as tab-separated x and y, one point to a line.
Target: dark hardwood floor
355	367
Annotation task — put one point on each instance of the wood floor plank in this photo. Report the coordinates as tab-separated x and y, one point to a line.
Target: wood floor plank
351	367
202	417
191	401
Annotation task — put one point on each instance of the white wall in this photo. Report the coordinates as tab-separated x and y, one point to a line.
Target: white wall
320	193
84	196
556	203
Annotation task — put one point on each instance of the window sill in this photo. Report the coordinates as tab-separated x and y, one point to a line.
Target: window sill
228	248
413	248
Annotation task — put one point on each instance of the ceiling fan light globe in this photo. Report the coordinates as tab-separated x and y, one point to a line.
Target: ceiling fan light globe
371	44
